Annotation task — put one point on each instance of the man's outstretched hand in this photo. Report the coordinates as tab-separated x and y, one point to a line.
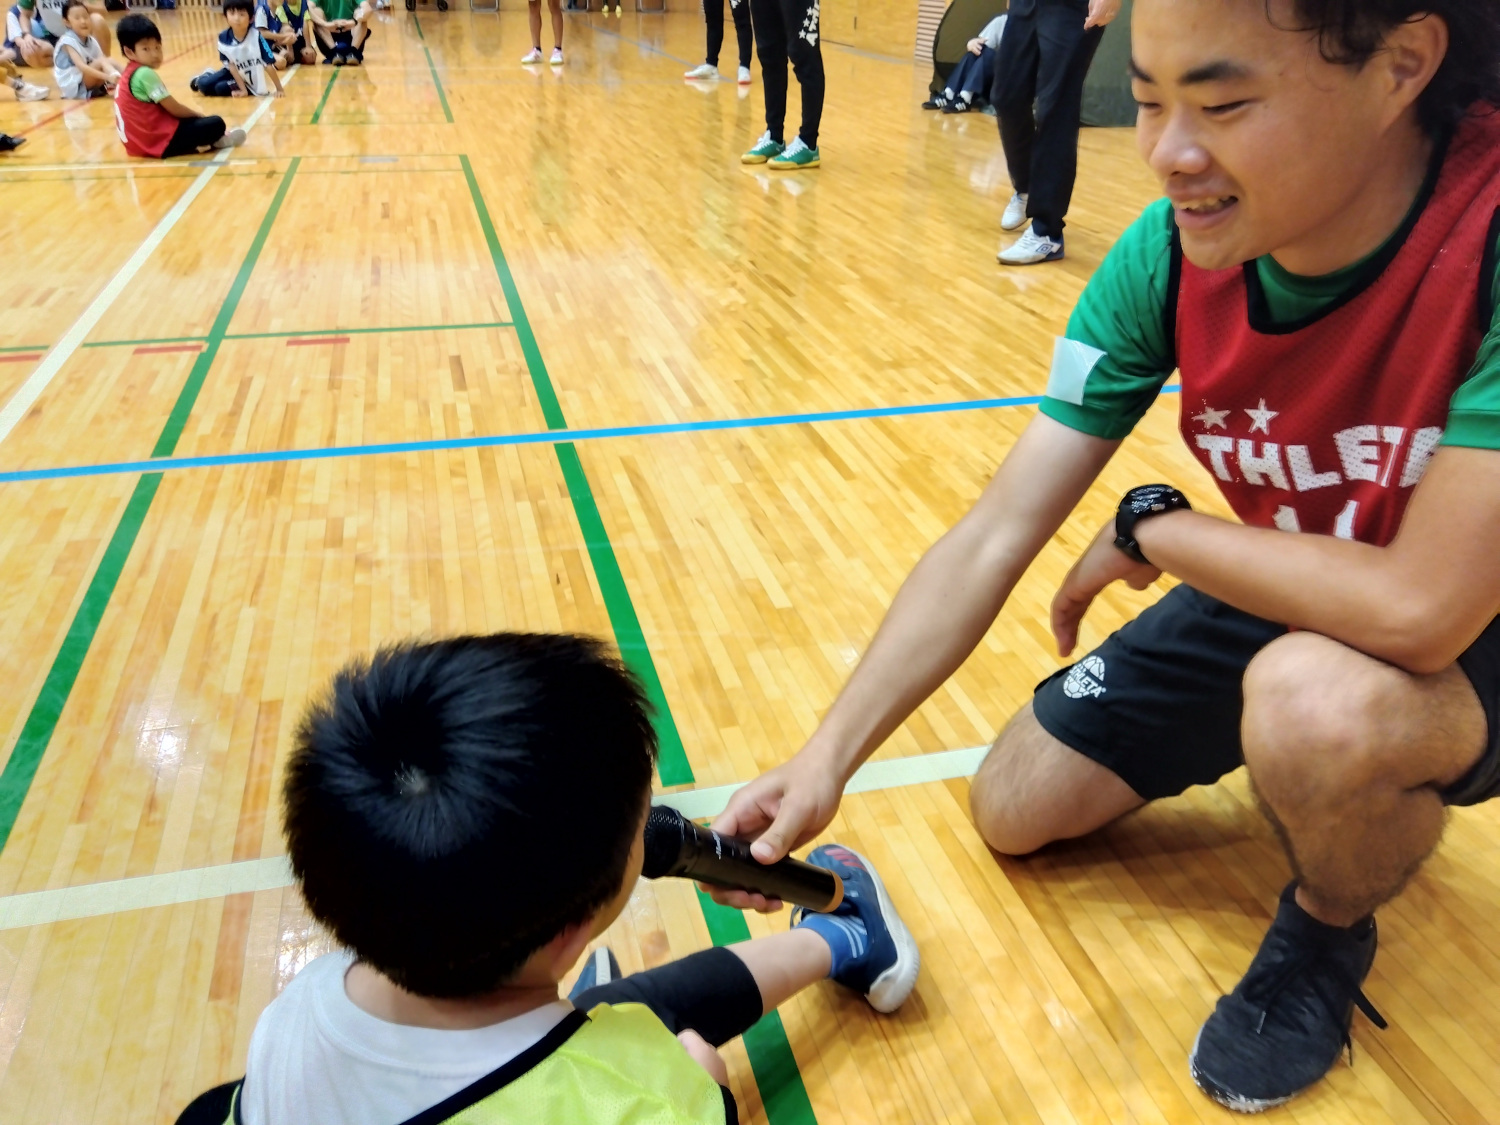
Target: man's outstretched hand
780	810
1100	565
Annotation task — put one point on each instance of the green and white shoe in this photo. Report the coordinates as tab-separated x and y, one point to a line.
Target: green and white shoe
763	150
796	155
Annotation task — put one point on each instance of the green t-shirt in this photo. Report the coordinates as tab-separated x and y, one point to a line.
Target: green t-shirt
147	85
1123	314
338	9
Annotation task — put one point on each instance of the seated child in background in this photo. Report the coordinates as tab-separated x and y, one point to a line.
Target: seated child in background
341	29
26	37
54	21
972	78
294	15
25	91
464	816
275	32
247	58
79	64
151	122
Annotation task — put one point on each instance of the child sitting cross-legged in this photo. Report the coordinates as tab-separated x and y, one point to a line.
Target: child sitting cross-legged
151	122
465	816
249	63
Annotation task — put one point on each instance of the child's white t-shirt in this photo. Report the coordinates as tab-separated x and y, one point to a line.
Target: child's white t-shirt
50	13
318	1059
65	70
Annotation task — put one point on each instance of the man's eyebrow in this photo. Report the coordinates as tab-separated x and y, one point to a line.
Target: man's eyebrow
1221	71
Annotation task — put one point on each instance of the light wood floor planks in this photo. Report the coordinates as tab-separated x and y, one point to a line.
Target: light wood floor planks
334	286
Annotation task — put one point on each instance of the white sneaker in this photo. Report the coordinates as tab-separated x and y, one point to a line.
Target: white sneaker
744	76
1015	213
556	59
532	56
704	71
232	139
26	92
1030	249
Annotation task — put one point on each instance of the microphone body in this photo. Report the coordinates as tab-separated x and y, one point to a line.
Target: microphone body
676	846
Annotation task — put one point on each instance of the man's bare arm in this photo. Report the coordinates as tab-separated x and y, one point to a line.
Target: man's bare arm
939	616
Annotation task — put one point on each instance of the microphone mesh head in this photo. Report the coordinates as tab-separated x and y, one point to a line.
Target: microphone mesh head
663	840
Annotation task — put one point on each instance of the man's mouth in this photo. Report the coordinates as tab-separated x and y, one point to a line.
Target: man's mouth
1206	207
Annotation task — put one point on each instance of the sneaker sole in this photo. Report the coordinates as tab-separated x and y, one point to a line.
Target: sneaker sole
892	987
792	165
1227	1098
1016	225
1057	257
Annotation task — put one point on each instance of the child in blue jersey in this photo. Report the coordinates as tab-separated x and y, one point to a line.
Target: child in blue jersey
26	37
276	33
249	63
465	816
293	14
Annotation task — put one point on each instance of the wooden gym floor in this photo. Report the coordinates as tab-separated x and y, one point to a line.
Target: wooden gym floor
321	383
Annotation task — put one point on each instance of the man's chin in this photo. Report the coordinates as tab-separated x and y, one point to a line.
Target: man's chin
1215	251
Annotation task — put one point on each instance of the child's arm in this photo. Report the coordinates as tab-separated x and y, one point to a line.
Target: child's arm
240	89
107	76
276	87
177	109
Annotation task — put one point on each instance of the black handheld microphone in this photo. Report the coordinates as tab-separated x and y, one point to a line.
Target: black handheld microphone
677	846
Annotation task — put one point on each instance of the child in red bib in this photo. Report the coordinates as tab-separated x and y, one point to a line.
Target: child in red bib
149	120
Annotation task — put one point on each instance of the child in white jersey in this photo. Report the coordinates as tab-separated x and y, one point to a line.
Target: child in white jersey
249	63
79	63
53	19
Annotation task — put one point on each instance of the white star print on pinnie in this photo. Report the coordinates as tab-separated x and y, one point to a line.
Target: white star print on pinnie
1211	417
1260	419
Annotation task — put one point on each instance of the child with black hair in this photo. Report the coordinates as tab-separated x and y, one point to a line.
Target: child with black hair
274	30
465	816
293	14
79	63
151	122
249	64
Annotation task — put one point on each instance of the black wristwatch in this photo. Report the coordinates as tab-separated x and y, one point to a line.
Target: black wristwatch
1142	503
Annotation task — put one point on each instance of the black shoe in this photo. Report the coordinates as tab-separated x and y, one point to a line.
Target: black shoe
9	143
1287	1022
936	102
957	105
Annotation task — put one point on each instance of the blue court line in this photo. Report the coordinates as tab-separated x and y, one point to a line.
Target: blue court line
545	437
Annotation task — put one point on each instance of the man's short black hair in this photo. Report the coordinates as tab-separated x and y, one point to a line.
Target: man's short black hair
452	806
246	6
1352	31
135	29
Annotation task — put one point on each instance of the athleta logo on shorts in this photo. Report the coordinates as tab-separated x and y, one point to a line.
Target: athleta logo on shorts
1085	679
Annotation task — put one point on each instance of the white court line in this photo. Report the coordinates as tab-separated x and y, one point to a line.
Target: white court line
93	899
63	350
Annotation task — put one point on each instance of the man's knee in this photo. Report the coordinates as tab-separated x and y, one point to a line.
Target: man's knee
1031	789
1313	715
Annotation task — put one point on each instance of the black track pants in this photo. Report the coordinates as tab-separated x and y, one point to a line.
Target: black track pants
789	29
713	14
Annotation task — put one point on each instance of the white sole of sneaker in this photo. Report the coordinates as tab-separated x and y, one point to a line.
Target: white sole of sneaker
1212	1090
892	987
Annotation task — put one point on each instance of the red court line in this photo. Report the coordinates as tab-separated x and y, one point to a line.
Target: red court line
305	341
50	118
26	358
160	348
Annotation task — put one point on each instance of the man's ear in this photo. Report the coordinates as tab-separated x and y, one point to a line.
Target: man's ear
1413	53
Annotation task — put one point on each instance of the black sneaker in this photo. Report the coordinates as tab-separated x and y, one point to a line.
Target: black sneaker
9	143
1287	1022
935	102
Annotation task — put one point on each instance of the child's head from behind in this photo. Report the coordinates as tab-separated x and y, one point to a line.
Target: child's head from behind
76	15
455	807
140	40
239	13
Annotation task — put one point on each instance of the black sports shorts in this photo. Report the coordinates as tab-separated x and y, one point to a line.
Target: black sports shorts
1159	702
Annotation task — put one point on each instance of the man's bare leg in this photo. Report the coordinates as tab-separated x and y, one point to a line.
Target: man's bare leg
1348	755
1032	789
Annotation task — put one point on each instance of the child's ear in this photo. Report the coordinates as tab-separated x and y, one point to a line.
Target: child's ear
565	949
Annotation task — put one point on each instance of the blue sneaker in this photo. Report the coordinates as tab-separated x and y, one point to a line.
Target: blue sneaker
601	968
874	952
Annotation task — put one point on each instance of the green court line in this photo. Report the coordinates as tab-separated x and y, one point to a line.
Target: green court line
327	89
146	342
41	722
289	334
27	348
442	97
36	735
771	1058
166	445
416	19
672	764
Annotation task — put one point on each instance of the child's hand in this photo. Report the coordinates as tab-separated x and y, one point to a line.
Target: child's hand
705	1056
237	93
278	92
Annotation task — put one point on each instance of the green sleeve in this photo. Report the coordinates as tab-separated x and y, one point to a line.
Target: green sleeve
147	85
1110	366
1474	413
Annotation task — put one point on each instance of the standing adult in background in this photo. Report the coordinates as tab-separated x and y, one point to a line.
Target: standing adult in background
788	28
1044	58
713	14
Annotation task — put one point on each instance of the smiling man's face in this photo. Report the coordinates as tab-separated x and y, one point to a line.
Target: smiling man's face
1259	141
